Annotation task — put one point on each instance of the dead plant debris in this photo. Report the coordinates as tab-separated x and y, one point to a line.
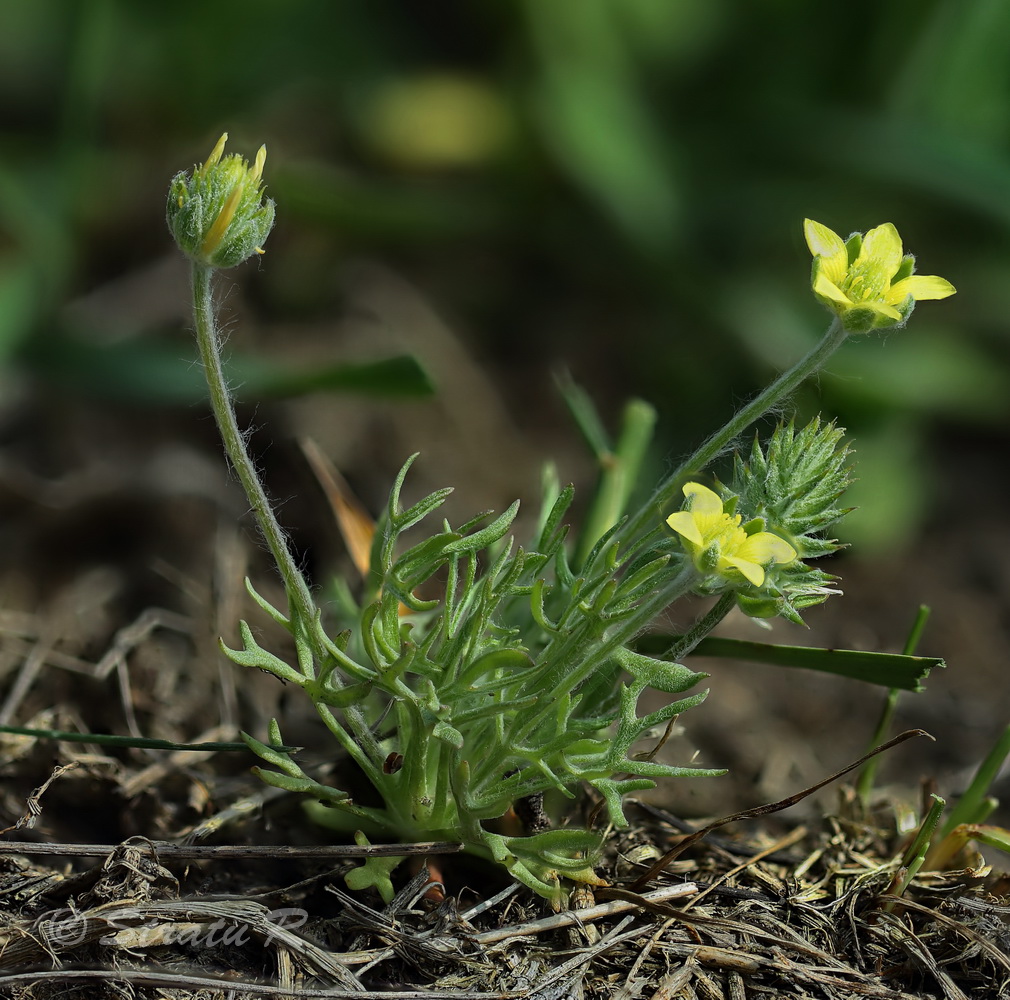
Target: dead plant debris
728	921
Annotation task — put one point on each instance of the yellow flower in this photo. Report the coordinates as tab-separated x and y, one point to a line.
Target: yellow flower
717	543
217	212
866	280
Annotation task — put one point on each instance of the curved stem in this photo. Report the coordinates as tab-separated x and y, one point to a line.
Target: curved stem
764	401
300	603
701	628
301	608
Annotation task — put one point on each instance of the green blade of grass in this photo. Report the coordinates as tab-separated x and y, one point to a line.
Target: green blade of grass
137	742
968	808
890	670
400	376
158	371
867	777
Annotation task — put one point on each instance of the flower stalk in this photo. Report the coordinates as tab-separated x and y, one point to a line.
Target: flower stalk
208	341
764	402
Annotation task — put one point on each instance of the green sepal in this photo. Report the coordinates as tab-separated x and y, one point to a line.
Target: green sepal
853	245
217	212
788	590
794	483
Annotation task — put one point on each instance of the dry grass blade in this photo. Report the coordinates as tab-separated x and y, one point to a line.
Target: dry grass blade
906	939
357	526
769	808
219	852
33	806
138	925
228	986
571	918
958	928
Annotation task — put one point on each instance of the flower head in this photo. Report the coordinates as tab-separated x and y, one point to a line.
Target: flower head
217	212
867	280
719	544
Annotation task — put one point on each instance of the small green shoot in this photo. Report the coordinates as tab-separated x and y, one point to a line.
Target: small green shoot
915	855
864	785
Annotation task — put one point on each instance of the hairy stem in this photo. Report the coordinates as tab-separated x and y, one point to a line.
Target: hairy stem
300	603
301	607
764	401
701	628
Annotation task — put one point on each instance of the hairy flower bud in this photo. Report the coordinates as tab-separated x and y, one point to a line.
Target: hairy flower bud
217	212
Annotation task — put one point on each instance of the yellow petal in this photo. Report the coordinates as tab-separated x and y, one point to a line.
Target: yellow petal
921	286
257	170
882	246
683	523
883	309
821	241
220	225
827	289
702	500
215	153
754	573
764	547
829	247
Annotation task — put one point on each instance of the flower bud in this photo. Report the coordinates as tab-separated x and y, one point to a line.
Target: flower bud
217	212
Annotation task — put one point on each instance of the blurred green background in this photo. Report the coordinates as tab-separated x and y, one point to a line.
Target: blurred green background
615	186
513	187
